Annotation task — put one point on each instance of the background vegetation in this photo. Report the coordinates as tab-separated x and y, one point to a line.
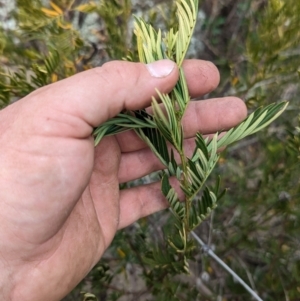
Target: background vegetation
255	229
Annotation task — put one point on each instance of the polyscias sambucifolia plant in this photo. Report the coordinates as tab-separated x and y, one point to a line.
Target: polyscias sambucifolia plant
162	130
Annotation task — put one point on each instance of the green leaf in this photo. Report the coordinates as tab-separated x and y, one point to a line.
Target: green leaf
254	123
168	125
170	42
200	145
178	209
156	142
123	122
181	95
187	17
149	42
200	165
202	208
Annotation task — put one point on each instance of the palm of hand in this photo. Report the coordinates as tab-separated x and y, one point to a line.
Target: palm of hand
52	218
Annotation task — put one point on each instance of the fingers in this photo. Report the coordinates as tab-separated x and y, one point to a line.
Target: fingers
137	164
205	116
75	105
202	77
141	201
138	202
212	115
100	93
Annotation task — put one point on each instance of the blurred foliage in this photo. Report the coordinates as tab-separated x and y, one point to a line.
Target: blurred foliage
255	229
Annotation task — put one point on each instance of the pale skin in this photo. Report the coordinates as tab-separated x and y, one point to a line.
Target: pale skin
60	203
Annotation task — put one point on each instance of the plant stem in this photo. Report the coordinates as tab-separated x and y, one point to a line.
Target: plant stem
183	160
187	200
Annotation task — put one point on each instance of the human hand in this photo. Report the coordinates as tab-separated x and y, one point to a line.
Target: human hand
60	203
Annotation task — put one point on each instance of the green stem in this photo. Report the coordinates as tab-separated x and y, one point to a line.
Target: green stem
187	199
183	159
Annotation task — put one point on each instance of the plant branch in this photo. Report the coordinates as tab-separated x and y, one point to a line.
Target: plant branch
211	253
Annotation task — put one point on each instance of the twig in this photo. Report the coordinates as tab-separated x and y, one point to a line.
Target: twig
210	252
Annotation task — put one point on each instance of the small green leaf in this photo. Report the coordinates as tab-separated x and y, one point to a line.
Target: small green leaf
254	123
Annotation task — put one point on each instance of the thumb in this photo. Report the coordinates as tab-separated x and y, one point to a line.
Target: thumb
101	93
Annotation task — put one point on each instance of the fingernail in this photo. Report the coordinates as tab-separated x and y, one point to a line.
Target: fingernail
161	68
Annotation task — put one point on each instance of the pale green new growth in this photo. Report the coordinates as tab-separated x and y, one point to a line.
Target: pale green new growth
165	126
187	17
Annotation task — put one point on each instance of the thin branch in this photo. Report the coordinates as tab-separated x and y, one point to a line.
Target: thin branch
210	252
